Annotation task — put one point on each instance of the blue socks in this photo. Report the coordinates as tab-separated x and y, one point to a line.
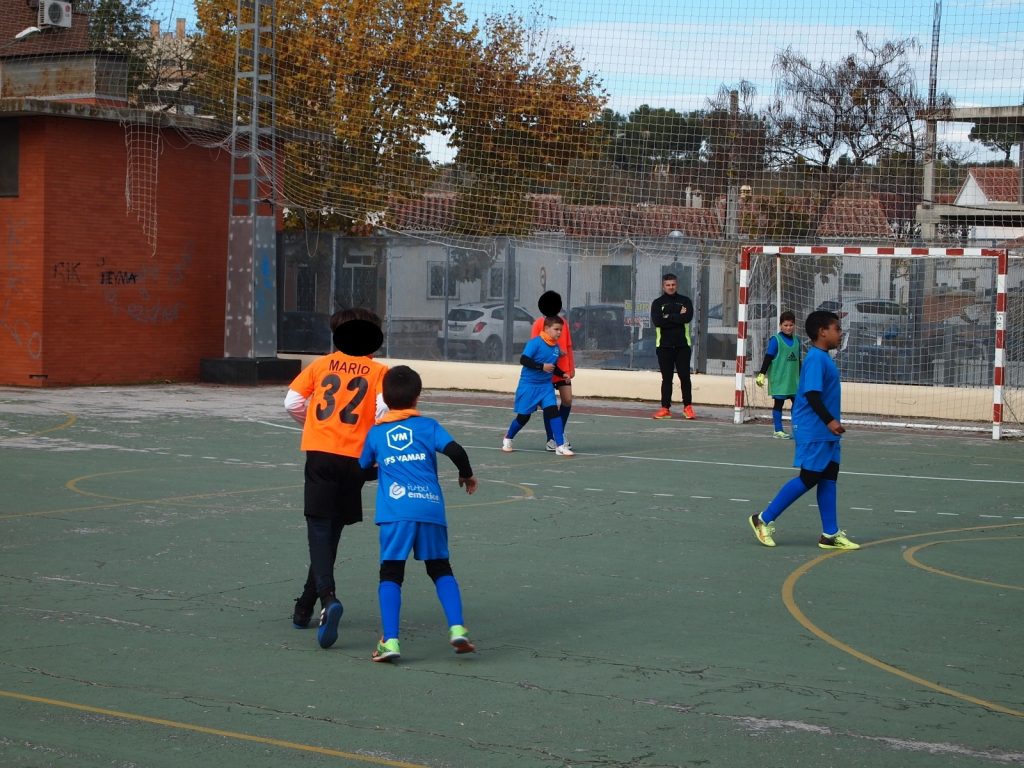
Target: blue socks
451	600
563	412
827	507
389	593
777	417
787	494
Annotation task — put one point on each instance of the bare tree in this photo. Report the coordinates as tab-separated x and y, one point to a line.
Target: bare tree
836	117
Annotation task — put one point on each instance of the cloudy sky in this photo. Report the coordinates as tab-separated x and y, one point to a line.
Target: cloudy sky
675	54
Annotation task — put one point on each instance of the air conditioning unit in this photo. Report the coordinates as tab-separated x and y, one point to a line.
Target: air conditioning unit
54	13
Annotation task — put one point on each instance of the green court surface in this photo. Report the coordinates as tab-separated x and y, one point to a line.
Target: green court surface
152	542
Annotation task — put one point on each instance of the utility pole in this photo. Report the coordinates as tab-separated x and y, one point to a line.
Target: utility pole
250	319
930	138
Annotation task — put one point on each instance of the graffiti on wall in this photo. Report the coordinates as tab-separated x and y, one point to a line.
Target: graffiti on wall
142	304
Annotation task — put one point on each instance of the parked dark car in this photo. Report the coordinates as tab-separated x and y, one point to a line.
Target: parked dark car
599	326
643	356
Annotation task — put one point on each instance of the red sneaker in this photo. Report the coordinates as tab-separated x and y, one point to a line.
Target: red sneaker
688	412
662	413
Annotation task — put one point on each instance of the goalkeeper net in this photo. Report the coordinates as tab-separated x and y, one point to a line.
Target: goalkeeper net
932	336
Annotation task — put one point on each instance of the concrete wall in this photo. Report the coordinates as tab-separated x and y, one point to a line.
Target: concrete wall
898	402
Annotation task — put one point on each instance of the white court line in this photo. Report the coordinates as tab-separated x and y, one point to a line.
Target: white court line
842	471
291	427
716	463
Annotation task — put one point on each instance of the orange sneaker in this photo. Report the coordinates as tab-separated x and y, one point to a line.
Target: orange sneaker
688	412
662	413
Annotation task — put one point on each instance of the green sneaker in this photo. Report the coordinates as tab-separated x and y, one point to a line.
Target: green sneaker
763	531
839	541
387	650
780	435
458	636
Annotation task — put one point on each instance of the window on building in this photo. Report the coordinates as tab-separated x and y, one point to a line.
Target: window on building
851	281
9	152
968	284
616	283
436	282
496	283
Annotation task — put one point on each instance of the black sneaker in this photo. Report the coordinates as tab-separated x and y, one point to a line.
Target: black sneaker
330	615
303	613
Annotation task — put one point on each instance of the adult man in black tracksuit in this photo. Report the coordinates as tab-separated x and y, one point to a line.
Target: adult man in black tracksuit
671	314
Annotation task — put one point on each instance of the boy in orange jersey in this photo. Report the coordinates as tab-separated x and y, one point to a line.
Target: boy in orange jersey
550	304
335	399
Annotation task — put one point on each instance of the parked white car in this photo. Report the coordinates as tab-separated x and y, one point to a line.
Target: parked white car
870	317
478	330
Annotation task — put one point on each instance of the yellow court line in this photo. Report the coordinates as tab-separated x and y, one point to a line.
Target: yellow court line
69	422
790	602
908	555
209	731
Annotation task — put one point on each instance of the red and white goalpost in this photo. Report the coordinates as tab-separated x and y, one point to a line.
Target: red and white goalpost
938	362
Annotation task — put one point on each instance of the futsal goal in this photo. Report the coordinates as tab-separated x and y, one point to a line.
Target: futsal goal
933	337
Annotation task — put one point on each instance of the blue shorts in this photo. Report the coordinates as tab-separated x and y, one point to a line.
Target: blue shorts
815	455
530	397
427	541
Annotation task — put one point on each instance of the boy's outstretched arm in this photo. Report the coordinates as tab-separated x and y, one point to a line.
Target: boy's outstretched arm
460	459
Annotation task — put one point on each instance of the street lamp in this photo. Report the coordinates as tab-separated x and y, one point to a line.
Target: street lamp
25	33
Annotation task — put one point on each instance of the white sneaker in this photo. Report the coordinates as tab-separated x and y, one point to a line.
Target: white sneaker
506	445
550	445
564	450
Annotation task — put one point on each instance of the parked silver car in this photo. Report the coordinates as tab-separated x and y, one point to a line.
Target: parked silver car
478	331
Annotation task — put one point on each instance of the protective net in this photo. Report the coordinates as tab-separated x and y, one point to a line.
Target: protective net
437	161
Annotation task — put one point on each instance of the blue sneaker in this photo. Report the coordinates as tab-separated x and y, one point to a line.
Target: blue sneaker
327	634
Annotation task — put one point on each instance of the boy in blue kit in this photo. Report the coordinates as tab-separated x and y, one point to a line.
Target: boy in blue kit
410	513
539	361
817	428
781	368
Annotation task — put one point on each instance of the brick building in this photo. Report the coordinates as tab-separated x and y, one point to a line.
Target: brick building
113	224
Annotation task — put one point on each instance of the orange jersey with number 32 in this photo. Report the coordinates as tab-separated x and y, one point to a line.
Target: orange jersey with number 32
342	392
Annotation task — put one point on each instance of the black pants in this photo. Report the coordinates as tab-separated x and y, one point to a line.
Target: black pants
674	360
323	534
332	500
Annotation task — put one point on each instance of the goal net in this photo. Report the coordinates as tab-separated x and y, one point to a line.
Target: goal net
931	336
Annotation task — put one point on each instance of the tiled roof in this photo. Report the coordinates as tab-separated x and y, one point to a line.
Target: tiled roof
431	213
844	217
999	185
658	220
434	213
596	220
854	217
